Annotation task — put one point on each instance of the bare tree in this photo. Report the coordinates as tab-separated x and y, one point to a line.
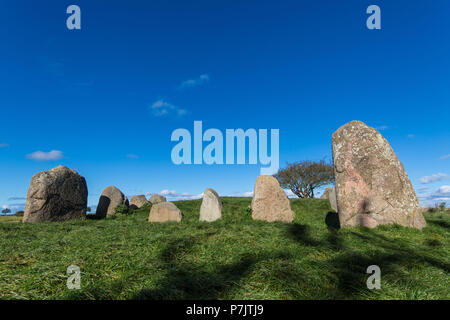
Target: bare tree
304	176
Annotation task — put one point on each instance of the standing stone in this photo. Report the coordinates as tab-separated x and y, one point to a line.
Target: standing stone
372	187
163	212
330	194
138	201
270	202
110	199
211	208
56	195
156	198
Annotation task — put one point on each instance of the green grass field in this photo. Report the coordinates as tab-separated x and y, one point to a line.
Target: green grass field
127	257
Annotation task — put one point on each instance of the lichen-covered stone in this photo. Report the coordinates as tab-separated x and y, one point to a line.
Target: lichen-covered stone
156	198
138	201
211	208
110	199
270	202
372	187
330	195
56	195
164	212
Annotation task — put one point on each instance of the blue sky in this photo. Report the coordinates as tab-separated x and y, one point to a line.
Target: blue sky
303	67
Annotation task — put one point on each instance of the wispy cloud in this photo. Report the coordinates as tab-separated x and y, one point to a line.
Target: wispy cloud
162	107
423	189
4	145
173	195
447	156
242	194
442	194
45	156
203	79
434	178
132	156
410	136
444	190
381	128
16	198
289	193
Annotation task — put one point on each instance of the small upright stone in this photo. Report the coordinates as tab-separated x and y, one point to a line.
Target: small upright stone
110	199
56	195
330	195
156	198
163	212
138	201
270	202
211	208
372	187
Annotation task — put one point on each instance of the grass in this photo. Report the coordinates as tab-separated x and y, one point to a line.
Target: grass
127	257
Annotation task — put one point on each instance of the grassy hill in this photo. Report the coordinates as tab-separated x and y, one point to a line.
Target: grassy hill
127	257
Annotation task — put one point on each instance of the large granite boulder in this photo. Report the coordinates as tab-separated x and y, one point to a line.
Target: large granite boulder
372	187
270	202
330	195
156	198
56	195
138	201
110	199
163	212
211	208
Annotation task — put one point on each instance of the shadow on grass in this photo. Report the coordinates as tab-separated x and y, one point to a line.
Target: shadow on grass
393	256
301	233
184	280
332	220
441	223
338	276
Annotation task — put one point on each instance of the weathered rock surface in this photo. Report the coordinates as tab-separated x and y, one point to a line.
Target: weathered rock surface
372	187
156	198
163	212
330	194
56	195
110	199
138	201
270	202
211	208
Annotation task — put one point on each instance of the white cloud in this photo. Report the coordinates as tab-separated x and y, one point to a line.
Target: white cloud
16	198
162	107
45	156
447	156
442	194
434	178
173	195
290	194
204	78
242	194
444	190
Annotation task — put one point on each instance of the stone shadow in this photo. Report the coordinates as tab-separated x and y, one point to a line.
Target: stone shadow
332	220
301	233
193	281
